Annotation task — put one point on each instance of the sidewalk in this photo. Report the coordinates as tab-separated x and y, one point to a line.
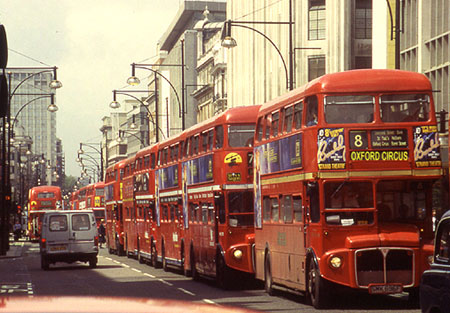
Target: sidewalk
15	249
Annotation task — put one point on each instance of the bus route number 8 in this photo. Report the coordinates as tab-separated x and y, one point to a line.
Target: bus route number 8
358	140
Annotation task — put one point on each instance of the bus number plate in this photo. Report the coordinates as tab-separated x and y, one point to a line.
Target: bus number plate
234	177
385	289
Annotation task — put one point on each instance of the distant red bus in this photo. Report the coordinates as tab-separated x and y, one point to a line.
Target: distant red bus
128	208
73	202
346	170
114	214
144	197
40	200
94	199
216	158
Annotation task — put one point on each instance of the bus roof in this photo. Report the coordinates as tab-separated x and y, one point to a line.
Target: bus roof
356	81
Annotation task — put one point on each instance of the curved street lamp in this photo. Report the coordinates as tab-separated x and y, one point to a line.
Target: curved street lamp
99	151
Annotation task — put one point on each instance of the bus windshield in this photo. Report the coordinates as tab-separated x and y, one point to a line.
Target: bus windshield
349	109
241	135
241	208
402	200
404	108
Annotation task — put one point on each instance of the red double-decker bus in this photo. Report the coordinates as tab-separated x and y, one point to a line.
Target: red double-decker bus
144	196
73	202
94	199
114	214
169	231
40	200
346	169
216	160
128	208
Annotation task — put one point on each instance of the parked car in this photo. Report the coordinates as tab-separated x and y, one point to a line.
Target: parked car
69	236
435	283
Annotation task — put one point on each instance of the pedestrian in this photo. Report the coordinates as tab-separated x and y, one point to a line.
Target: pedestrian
17	229
101	233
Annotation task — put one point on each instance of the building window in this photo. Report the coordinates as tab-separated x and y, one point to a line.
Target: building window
316	67
363	62
316	20
363	19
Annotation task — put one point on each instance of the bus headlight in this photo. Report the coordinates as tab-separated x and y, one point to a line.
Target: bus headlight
430	259
237	254
335	262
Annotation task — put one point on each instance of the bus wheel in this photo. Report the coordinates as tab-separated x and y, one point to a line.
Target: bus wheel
164	261
222	273
268	276
155	257
44	263
93	262
316	287
194	272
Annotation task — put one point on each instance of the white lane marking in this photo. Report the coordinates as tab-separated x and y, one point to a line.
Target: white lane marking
136	270
124	265
186	291
149	275
165	282
108	258
209	301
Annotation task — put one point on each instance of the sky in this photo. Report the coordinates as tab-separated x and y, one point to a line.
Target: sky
93	44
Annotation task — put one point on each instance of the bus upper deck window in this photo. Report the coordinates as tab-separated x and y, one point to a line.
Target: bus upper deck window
349	109
288	112
260	129
268	119
219	137
298	112
311	113
404	108
241	135
275	123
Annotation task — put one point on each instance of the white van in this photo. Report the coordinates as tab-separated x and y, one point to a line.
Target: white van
69	236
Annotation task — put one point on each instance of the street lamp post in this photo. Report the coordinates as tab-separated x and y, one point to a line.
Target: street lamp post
230	42
5	149
115	105
99	151
133	81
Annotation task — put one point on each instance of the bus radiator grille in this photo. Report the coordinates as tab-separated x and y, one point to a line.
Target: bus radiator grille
384	266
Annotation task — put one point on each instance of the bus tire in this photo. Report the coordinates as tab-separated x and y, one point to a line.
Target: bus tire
268	282
223	275
163	256
44	263
93	262
194	272
155	257
316	287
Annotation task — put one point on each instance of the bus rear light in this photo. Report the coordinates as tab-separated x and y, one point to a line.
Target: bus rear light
237	254
335	262
96	240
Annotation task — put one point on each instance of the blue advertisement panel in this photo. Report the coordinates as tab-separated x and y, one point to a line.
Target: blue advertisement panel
109	192
199	170
169	177
184	193
257	206
331	149
157	200
280	155
426	146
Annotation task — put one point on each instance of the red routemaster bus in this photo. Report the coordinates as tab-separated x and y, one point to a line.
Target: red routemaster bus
345	172
40	200
114	213
128	207
216	159
73	202
94	199
169	231
144	187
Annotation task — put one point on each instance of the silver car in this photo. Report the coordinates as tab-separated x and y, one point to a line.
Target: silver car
69	236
